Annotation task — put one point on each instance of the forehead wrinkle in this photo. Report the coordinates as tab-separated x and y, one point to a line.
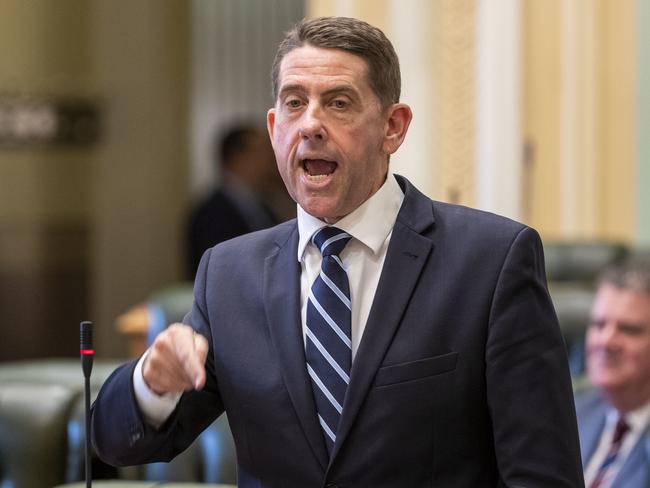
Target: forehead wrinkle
321	72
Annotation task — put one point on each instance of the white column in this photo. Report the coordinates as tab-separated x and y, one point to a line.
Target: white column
569	146
498	137
410	33
579	123
232	47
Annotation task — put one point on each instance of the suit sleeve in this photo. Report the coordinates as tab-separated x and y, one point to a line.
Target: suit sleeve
119	433
529	387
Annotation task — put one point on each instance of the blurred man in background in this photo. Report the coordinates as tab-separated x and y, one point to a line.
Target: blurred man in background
613	417
242	201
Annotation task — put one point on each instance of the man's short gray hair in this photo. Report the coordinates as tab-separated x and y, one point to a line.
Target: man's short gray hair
632	274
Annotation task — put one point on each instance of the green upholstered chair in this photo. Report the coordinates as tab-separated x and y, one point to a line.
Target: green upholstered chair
33	431
580	261
211	458
42	400
62	371
42	382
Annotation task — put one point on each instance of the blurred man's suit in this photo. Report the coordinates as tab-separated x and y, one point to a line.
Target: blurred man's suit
592	411
444	386
228	212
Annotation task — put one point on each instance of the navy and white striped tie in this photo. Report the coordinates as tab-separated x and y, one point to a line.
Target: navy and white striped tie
328	342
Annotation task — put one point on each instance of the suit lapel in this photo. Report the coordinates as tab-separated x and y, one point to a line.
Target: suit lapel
282	303
407	252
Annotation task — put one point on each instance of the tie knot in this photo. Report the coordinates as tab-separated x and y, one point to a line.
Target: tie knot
330	240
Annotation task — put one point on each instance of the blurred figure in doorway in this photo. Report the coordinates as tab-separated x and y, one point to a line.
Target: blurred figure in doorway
249	196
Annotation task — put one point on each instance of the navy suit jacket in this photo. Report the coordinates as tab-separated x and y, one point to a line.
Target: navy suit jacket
592	412
460	379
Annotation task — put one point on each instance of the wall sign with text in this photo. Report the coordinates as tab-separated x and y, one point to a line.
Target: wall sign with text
43	122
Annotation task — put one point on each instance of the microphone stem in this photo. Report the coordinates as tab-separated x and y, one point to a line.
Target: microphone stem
88	455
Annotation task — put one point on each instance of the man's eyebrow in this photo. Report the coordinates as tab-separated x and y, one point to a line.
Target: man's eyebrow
345	90
634	326
294	87
340	89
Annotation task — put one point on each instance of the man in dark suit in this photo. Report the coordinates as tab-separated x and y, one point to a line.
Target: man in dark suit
238	205
614	413
381	339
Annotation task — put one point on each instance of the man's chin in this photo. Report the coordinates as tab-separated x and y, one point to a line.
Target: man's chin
321	210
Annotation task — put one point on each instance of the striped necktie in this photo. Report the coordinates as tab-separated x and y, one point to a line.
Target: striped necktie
328	344
621	429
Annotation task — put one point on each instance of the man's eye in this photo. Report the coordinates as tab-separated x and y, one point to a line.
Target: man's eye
632	329
340	103
293	103
597	324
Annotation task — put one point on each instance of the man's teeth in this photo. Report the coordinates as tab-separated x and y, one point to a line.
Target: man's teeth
317	177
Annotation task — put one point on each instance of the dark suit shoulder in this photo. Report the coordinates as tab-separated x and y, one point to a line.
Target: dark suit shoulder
481	234
474	220
422	214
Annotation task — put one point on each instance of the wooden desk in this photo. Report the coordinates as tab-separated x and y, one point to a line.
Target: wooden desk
134	325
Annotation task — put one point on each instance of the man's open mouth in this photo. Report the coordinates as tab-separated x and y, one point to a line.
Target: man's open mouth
318	167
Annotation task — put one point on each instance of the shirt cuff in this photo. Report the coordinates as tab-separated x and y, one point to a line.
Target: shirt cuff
155	408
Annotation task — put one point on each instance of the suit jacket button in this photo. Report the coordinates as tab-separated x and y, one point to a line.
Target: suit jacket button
136	435
331	485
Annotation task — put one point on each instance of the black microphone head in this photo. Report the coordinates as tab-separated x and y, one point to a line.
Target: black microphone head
86	337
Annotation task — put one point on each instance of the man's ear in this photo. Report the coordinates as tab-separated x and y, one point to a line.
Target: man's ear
270	122
399	119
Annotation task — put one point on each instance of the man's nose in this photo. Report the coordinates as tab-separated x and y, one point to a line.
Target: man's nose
608	336
311	124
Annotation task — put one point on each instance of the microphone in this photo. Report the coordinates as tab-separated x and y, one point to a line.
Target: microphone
86	347
87	354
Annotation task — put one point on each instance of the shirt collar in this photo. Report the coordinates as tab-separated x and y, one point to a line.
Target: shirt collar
637	419
370	223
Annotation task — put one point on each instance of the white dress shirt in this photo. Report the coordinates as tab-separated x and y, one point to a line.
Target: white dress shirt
638	421
370	225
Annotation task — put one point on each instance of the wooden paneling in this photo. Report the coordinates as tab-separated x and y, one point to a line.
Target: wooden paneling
44	288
